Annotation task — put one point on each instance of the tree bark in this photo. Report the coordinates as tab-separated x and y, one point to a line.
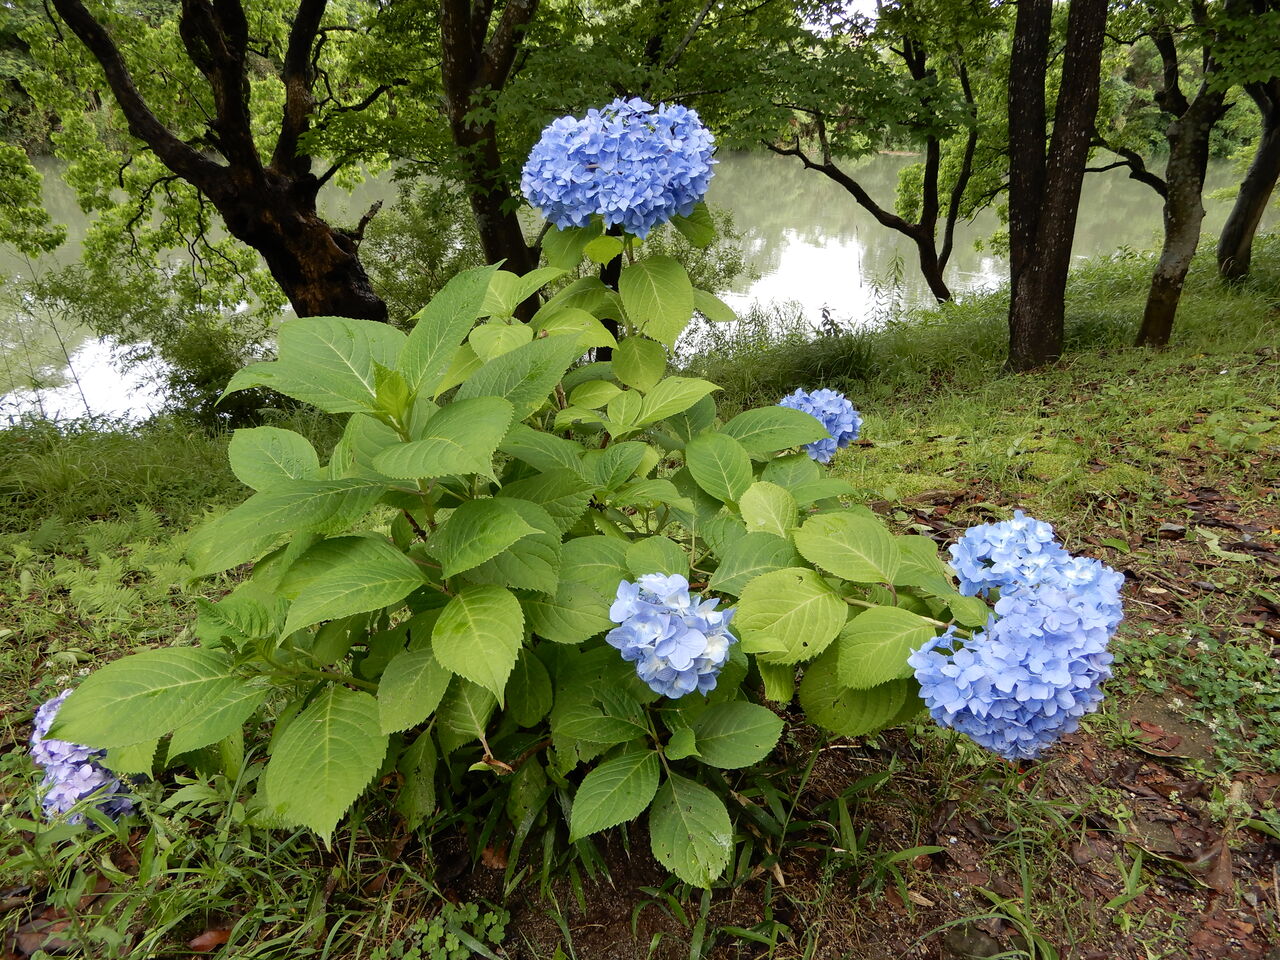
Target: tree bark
270	208
1235	246
1188	138
1044	187
475	70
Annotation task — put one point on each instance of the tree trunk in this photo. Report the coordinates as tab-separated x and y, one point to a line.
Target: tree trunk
931	267
1235	246
315	264
1183	214
1044	189
501	237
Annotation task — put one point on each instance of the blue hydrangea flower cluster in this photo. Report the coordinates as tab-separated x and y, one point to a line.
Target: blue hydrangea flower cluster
73	772
837	414
628	162
1038	667
678	641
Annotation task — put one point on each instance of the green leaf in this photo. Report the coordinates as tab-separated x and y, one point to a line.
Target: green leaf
597	562
789	615
712	307
497	337
767	429
697	227
624	411
417	768
616	463
671	396
681	744
247	531
657	555
525	375
325	758
478	635
748	557
532	562
594	394
603	249
508	290
217	719
261	457
574	615
563	246
542	451
140	758
852	545
561	492
616	791
791	471
463	714
719	465
639	362
968	611
586	329
327	362
411	688
848	713
529	695
657	296
582	721
922	567
439	328
736	734
689	831
875	644
647	493
476	531
769	508
779	681
461	438
144	696
464	364
367	573
807	493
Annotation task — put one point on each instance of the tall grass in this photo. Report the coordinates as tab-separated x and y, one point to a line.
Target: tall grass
772	350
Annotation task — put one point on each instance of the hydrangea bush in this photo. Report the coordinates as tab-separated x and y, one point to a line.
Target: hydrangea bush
73	773
575	578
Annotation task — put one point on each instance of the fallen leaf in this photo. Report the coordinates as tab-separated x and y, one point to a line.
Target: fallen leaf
209	940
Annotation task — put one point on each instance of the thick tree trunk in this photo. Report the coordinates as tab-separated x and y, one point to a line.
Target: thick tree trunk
931	267
1235	246
1183	214
501	238
1044	189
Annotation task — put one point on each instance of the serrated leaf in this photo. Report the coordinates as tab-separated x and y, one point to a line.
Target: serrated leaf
508	290
439	327
261	457
922	567
712	307
603	249
657	296
529	694
559	491
791	471
562	246
411	688
719	465
779	681
681	744
767	429
417	768
749	556
327	362
583	721
217	719
769	508
597	562
463	714
594	394
575	614
616	791
789	615
479	634
587	331
968	611
542	451
851	545
532	562
697	227
639	362
736	734
325	758
845	712
657	555
525	376
495	338
476	531
874	646
144	696
461	438
367	573
673	395
689	831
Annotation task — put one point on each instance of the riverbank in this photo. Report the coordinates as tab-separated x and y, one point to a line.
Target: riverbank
1151	833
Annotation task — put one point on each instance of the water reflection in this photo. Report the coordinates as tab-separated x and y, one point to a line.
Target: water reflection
806	240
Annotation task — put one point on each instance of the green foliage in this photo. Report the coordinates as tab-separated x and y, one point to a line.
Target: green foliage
458	932
436	594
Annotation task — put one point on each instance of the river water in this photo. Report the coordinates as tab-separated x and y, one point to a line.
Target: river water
806	241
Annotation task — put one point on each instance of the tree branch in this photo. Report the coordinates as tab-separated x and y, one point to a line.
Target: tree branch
1133	160
1171	98
175	153
962	179
298	76
500	52
216	36
688	37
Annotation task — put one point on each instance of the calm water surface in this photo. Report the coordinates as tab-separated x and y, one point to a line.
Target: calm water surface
805	238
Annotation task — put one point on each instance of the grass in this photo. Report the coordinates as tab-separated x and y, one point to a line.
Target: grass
1149	824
